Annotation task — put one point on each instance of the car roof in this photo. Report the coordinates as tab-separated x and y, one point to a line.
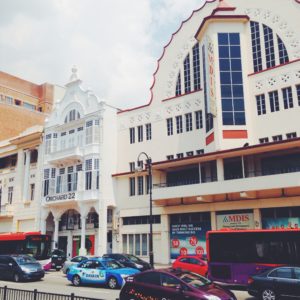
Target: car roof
101	259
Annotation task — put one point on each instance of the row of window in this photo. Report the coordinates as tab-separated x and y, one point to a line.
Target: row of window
140	133
139	185
10	193
188	122
269	42
10	100
141	220
135	244
287	96
74	137
66	179
187	154
279	137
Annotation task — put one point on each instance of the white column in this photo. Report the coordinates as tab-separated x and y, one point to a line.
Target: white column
220	169
69	245
55	235
164	256
82	250
213	220
19	176
102	233
26	176
257	218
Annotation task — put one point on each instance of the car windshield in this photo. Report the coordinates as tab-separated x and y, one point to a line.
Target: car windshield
112	264
23	260
193	279
132	258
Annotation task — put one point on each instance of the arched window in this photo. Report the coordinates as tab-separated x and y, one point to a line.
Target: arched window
283	55
178	85
72	116
256	47
196	67
187	74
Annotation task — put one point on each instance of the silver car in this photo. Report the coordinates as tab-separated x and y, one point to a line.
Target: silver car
73	262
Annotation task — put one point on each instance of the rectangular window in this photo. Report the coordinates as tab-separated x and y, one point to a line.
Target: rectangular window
196	67
132	135
261	104
269	46
179	124
148	132
140	181
144	244
137	244
148	184
287	98
291	135
187	74
298	93
188	122
179	155
277	138
200	151
231	78
10	194
256	47
132	166
88	174
170	126
32	188
264	140
190	153
131	243
274	101
199	119
140	133
124	243
89	132
132	186
48	143
170	157
58	184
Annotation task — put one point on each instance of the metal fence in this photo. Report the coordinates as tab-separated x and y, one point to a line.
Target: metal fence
16	294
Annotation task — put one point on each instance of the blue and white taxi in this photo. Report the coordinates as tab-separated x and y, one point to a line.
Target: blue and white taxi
100	271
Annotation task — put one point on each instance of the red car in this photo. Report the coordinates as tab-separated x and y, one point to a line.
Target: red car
191	263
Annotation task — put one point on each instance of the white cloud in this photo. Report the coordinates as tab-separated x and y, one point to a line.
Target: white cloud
115	44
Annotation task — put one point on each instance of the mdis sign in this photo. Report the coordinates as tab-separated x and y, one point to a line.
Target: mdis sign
235	221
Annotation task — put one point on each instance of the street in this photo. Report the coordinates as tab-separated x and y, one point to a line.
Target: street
56	282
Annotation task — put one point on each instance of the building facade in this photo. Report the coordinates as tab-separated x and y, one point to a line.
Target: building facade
80	144
221	128
23	108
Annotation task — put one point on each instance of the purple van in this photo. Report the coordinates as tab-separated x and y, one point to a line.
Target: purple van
172	284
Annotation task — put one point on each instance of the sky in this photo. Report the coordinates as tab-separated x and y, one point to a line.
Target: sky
115	44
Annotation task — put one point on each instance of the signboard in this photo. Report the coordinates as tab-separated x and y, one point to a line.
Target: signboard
235	221
210	74
188	238
281	223
66	196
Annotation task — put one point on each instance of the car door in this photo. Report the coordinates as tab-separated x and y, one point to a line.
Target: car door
296	289
87	272
3	267
283	281
195	265
147	286
183	263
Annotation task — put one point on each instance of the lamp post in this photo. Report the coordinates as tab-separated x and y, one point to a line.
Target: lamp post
149	168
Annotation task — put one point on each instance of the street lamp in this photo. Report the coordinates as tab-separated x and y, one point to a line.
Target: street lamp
149	168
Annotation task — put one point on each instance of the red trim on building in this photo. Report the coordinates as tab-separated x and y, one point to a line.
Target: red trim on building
210	138
164	50
178	96
235	134
219	17
265	70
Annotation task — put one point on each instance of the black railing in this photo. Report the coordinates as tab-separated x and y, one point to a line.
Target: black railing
185	182
16	294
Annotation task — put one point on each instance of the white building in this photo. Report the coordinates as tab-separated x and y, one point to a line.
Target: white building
80	150
221	128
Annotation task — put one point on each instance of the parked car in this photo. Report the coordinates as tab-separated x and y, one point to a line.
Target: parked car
56	261
100	271
172	284
74	261
191	263
129	260
20	268
275	283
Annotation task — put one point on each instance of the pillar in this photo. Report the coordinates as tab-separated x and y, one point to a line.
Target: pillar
55	235
164	256
220	169
257	218
213	220
82	250
102	233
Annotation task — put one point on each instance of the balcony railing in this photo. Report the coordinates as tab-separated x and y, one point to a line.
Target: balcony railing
185	182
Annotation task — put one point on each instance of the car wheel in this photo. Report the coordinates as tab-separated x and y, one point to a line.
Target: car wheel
76	280
16	277
268	294
112	283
